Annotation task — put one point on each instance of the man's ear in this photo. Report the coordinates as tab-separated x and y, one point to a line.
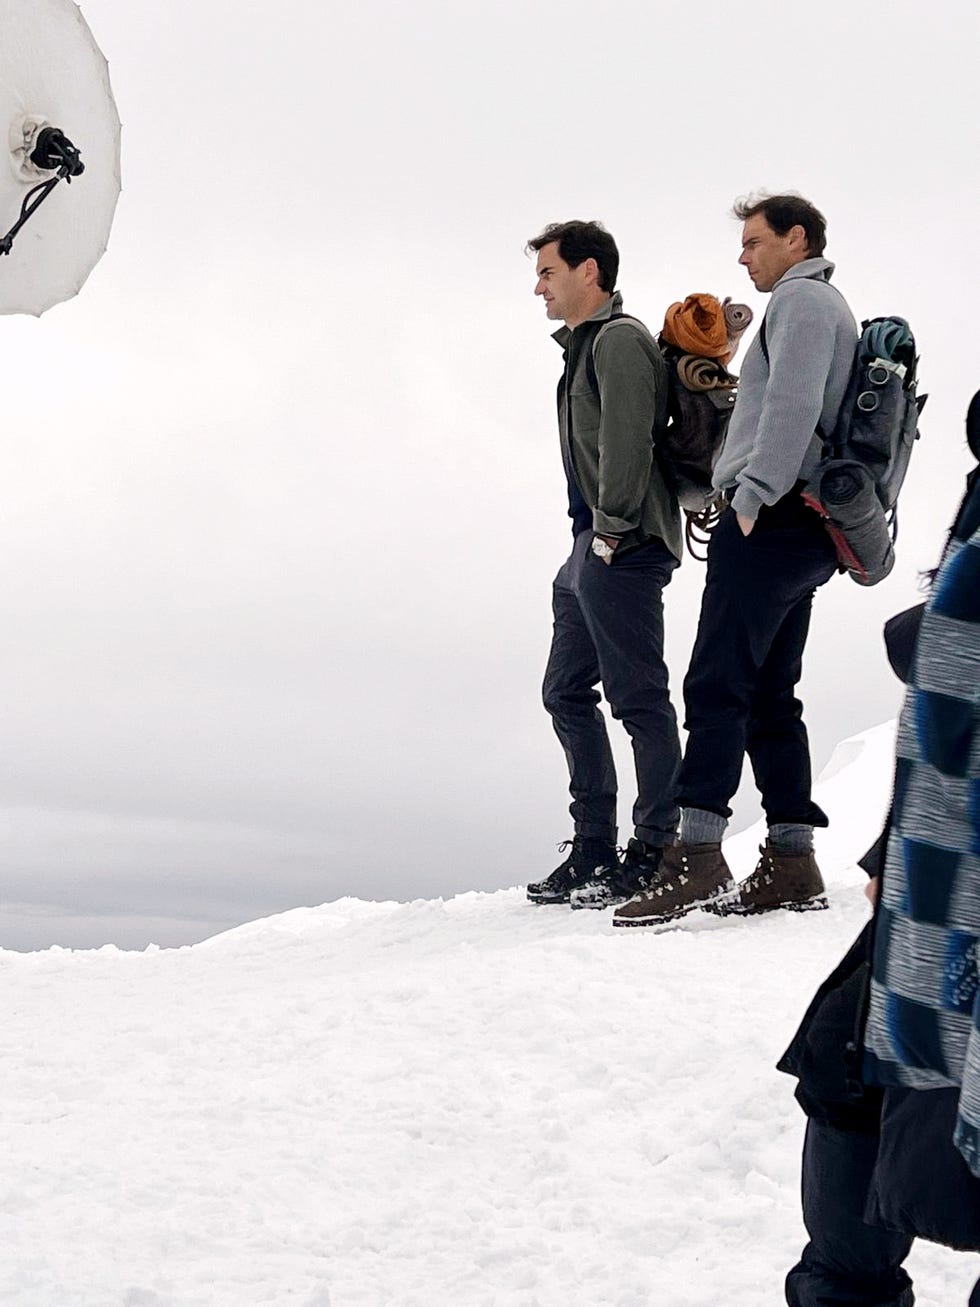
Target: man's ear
591	272
798	236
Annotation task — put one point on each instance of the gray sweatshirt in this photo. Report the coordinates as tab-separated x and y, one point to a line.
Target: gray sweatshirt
771	442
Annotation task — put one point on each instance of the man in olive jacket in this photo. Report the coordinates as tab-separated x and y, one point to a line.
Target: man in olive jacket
607	601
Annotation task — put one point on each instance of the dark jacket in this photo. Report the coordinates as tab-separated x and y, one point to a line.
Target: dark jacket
608	438
921	1185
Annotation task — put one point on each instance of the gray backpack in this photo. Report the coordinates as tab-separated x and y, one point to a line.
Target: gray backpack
856	484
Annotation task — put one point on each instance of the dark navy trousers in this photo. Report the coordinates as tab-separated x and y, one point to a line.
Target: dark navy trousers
609	629
848	1263
739	692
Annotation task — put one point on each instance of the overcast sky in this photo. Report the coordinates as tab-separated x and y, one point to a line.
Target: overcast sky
282	497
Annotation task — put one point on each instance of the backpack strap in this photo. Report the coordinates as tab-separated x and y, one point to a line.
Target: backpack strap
589	358
763	340
708	522
764	345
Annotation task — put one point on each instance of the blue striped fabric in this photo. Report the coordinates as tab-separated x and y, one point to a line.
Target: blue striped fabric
923	1027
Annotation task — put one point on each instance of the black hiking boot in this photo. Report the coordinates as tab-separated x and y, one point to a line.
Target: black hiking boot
691	876
619	881
578	869
780	880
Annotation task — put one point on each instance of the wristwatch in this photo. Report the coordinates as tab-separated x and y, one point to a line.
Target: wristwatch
601	549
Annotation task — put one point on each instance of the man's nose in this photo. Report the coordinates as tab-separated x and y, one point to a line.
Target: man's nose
539	288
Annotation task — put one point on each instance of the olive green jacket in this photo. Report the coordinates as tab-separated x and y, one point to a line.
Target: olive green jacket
608	438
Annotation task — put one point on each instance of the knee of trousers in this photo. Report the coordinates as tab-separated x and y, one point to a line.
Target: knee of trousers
655	703
789	722
720	685
716	704
635	686
565	699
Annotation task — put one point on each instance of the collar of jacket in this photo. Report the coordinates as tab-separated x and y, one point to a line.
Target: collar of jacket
817	269
605	311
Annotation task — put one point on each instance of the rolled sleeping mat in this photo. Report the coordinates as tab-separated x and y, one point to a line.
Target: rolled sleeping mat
888	338
737	320
737	317
696	373
843	493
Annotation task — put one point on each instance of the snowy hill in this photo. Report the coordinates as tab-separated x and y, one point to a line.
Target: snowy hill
472	1103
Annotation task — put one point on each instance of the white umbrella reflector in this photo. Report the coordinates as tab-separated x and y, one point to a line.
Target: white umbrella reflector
53	75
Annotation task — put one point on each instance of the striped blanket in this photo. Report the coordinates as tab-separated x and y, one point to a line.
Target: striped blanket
923	1027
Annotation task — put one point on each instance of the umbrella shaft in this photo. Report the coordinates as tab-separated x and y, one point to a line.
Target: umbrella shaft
27	208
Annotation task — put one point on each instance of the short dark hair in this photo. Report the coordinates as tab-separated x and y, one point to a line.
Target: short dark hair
578	241
973	425
783	212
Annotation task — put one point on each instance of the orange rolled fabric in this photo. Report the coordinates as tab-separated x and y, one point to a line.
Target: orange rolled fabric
698	327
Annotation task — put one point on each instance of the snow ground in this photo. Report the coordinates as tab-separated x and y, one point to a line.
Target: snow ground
472	1103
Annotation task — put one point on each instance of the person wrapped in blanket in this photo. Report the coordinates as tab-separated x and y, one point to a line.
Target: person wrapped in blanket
888	1054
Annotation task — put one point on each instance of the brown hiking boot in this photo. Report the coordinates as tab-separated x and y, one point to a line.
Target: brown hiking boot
780	880
690	876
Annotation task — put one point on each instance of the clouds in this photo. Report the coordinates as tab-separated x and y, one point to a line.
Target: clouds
282	497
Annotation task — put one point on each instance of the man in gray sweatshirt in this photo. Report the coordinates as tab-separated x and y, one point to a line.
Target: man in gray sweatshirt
768	554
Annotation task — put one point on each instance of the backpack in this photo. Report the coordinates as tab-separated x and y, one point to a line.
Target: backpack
697	421
696	424
856	484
